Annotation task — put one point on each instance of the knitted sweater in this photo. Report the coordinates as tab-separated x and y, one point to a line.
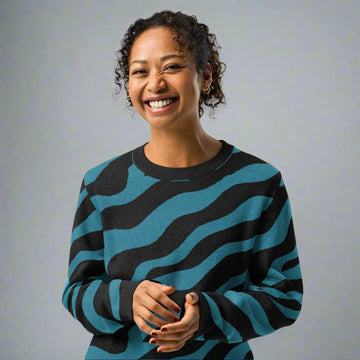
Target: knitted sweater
222	229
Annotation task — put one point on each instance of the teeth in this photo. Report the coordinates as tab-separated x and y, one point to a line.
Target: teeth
160	103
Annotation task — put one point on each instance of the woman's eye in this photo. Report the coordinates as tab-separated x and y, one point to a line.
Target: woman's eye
173	67
138	72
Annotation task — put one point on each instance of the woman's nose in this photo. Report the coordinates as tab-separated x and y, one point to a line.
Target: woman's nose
156	83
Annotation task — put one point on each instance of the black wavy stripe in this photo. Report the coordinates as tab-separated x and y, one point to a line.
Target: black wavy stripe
290	264
219	351
86	208
86	269
189	348
289	285
204	249
79	310
82	187
232	265
288	303
102	304
273	211
113	343
69	301
276	318
176	233
90	242
128	214
262	260
113	178
233	315
212	242
215	333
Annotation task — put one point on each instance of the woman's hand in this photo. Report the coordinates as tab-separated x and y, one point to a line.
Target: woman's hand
172	337
149	300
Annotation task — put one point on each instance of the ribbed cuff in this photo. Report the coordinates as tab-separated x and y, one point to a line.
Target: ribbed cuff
127	289
205	323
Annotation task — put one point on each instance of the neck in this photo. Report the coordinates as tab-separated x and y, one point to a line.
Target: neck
181	149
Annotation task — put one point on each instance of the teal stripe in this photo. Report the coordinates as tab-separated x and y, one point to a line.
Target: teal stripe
231	333
253	310
238	352
137	184
293	273
233	282
151	228
133	350
90	224
276	274
247	211
114	295
282	260
73	300
100	323
82	196
199	354
185	279
66	293
83	256
290	295
289	313
277	233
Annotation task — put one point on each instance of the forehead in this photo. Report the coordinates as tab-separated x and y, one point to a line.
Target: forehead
158	41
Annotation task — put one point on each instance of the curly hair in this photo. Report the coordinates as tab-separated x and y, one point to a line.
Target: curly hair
191	36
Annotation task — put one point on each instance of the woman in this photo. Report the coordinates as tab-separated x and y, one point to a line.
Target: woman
183	247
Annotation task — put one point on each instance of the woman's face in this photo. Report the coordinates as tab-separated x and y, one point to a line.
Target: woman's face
164	85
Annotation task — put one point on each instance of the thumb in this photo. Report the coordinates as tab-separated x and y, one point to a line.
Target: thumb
192	298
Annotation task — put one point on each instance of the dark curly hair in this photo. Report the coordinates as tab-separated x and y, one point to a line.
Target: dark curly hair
191	36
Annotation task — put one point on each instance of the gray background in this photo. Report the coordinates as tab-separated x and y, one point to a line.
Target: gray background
292	86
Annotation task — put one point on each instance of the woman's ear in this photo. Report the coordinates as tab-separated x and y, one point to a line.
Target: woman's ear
206	78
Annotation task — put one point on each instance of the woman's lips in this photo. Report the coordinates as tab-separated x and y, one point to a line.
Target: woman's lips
162	105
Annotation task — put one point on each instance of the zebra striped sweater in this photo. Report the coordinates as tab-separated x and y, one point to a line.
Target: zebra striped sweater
222	229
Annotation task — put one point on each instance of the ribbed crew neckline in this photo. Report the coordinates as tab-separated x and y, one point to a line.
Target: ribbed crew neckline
183	173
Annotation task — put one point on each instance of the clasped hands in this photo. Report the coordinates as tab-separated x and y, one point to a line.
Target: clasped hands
151	299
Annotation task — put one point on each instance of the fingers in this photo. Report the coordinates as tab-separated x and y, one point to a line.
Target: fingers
173	337
152	305
166	289
157	294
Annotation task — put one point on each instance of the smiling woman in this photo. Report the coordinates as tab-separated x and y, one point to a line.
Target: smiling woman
164	85
183	247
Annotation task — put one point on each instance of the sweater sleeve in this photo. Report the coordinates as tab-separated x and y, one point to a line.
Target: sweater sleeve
102	305
272	295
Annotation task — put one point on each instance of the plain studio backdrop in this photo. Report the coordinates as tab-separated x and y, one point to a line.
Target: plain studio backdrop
293	89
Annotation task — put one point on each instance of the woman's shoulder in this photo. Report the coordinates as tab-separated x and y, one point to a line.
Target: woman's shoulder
109	171
246	158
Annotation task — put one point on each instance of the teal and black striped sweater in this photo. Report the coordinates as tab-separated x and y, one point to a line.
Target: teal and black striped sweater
222	228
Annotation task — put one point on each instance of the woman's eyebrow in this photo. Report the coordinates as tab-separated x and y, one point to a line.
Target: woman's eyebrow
163	58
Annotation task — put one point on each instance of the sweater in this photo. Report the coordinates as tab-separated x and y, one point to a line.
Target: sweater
222	228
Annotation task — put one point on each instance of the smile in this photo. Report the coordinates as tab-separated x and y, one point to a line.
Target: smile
158	104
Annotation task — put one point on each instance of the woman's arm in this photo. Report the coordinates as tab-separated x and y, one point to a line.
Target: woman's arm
273	295
270	300
100	304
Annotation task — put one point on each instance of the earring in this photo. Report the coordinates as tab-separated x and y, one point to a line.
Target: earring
207	91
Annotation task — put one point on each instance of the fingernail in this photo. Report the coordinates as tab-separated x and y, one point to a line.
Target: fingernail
176	309
164	329
159	351
154	334
153	342
174	320
192	296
